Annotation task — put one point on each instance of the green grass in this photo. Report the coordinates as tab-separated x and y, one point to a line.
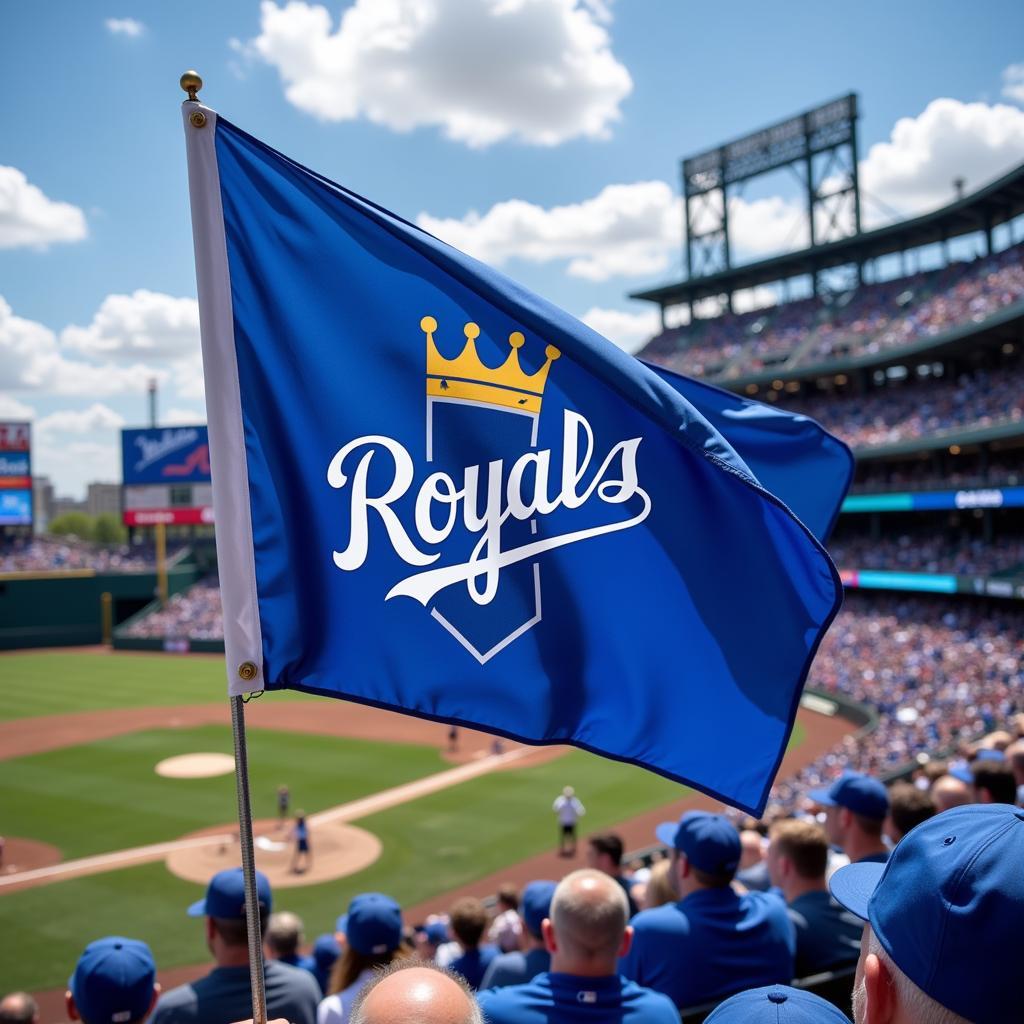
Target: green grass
105	796
55	682
430	846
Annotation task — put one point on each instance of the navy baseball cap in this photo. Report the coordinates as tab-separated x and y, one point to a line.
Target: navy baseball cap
113	981
373	924
535	904
776	1004
709	841
225	895
859	793
325	951
947	908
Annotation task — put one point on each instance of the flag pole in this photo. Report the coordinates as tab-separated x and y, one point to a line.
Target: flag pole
245	842
247	673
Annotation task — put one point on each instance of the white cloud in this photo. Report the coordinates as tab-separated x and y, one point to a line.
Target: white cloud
178	417
144	324
29	218
12	409
80	421
630	331
539	71
76	446
914	170
125	27
71	465
625	230
1013	83
32	360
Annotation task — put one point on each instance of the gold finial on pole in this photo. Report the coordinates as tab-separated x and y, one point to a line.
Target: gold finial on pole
191	83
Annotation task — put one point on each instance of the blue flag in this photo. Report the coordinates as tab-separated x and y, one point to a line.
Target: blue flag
791	455
436	492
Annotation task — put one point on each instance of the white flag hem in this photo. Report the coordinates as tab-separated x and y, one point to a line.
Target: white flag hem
243	642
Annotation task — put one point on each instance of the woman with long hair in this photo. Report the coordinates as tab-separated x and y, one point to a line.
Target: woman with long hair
373	938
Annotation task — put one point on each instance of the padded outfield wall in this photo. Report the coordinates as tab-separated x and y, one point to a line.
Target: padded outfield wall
66	608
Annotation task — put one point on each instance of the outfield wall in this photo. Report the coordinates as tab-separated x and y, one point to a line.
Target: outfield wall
62	609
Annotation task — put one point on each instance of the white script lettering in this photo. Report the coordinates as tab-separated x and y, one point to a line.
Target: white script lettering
523	496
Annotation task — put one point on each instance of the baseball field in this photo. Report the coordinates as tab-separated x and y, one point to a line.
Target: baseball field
82	804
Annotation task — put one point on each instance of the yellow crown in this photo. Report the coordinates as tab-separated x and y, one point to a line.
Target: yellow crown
466	377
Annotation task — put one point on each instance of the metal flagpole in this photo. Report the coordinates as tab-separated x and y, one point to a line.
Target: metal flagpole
247	672
252	910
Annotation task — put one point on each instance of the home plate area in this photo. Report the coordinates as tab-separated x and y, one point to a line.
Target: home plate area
338	850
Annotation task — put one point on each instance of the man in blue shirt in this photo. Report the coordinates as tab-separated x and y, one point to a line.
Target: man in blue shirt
521	966
827	936
586	934
225	994
712	942
856	806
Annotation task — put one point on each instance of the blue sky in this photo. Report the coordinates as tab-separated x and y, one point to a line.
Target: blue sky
96	273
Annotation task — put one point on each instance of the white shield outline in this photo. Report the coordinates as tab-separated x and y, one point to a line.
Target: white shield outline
484	656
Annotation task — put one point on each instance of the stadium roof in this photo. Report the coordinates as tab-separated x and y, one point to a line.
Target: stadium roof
996	203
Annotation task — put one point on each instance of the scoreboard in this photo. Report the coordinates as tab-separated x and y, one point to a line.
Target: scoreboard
15	474
166	474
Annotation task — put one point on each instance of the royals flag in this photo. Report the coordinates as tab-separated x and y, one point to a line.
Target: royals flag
436	492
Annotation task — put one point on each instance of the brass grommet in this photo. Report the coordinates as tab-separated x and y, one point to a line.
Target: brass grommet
197	119
247	671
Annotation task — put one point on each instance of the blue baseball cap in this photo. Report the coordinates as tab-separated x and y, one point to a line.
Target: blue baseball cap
436	932
948	906
325	951
225	895
859	793
535	904
373	924
961	770
113	981
709	841
989	755
776	1004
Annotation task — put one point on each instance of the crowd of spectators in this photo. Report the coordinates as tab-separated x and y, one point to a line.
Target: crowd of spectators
905	412
724	912
925	475
937	672
872	318
57	554
920	551
194	614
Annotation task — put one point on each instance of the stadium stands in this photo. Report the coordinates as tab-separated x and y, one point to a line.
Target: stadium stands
919	409
938	671
871	319
194	614
930	550
59	554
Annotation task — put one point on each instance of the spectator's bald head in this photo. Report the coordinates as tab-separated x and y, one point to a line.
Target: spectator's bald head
416	993
948	792
752	848
587	928
18	1008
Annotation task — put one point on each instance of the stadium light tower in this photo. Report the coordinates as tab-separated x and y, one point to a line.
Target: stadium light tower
152	401
819	145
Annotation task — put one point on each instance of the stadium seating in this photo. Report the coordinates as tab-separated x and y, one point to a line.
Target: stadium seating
59	554
873	318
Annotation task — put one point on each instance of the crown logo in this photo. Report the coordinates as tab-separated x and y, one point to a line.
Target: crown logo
465	377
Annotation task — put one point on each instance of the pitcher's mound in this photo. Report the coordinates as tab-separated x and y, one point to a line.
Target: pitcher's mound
195	766
338	850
